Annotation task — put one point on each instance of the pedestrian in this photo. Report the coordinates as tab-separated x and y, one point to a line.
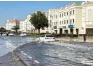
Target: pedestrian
84	37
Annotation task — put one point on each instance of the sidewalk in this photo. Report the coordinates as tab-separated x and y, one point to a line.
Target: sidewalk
75	39
10	59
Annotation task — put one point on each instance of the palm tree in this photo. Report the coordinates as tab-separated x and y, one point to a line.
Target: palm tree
16	28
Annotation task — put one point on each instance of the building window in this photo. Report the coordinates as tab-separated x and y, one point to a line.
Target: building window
60	22
73	12
56	23
73	21
60	15
70	21
67	21
70	12
67	13
90	15
56	16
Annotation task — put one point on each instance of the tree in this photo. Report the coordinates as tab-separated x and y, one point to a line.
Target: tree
16	28
2	30
39	20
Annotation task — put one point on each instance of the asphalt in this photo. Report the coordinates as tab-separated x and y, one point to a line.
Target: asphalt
10	59
17	58
38	51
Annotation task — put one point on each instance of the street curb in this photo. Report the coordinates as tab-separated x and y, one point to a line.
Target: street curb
74	42
26	61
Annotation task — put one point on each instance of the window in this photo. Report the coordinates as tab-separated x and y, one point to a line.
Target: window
90	15
56	23
60	22
73	12
70	21
56	16
67	21
60	15
73	20
70	12
50	21
67	13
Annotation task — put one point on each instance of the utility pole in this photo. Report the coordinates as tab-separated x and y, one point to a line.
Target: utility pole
84	35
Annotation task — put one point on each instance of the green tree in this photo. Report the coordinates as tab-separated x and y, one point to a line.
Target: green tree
16	28
39	20
2	30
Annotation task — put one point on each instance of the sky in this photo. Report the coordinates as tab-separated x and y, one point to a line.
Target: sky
20	9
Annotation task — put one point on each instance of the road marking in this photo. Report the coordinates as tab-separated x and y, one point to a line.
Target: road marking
23	52
36	61
30	57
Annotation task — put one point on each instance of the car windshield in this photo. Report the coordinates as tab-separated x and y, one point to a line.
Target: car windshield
42	35
49	36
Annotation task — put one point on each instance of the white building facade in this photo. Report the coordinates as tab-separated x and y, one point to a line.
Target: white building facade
11	23
75	18
29	27
22	26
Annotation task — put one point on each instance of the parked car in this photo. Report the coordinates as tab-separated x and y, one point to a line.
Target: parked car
23	34
47	38
11	34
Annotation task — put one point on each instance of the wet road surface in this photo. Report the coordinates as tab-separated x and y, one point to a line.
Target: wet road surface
7	45
60	55
10	59
47	54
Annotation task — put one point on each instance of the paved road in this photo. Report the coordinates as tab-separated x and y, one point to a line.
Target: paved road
60	55
7	45
10	59
48	54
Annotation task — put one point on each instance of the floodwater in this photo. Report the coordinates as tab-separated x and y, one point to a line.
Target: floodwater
9	43
50	54
60	55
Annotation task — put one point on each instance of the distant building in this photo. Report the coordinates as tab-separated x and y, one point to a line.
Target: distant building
22	26
11	23
29	27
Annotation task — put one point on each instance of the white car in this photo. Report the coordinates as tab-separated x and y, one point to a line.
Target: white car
47	38
11	34
23	34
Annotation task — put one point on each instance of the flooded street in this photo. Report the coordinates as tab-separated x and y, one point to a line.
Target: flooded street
8	44
60	55
47	54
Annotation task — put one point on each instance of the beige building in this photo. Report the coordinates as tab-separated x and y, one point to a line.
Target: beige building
11	23
29	27
76	15
22	26
25	26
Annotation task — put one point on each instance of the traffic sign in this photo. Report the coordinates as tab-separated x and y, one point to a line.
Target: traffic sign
70	26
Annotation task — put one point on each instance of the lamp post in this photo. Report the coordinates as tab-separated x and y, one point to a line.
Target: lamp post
84	28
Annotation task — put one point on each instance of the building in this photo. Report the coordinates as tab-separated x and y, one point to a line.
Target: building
29	27
22	26
11	23
75	18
